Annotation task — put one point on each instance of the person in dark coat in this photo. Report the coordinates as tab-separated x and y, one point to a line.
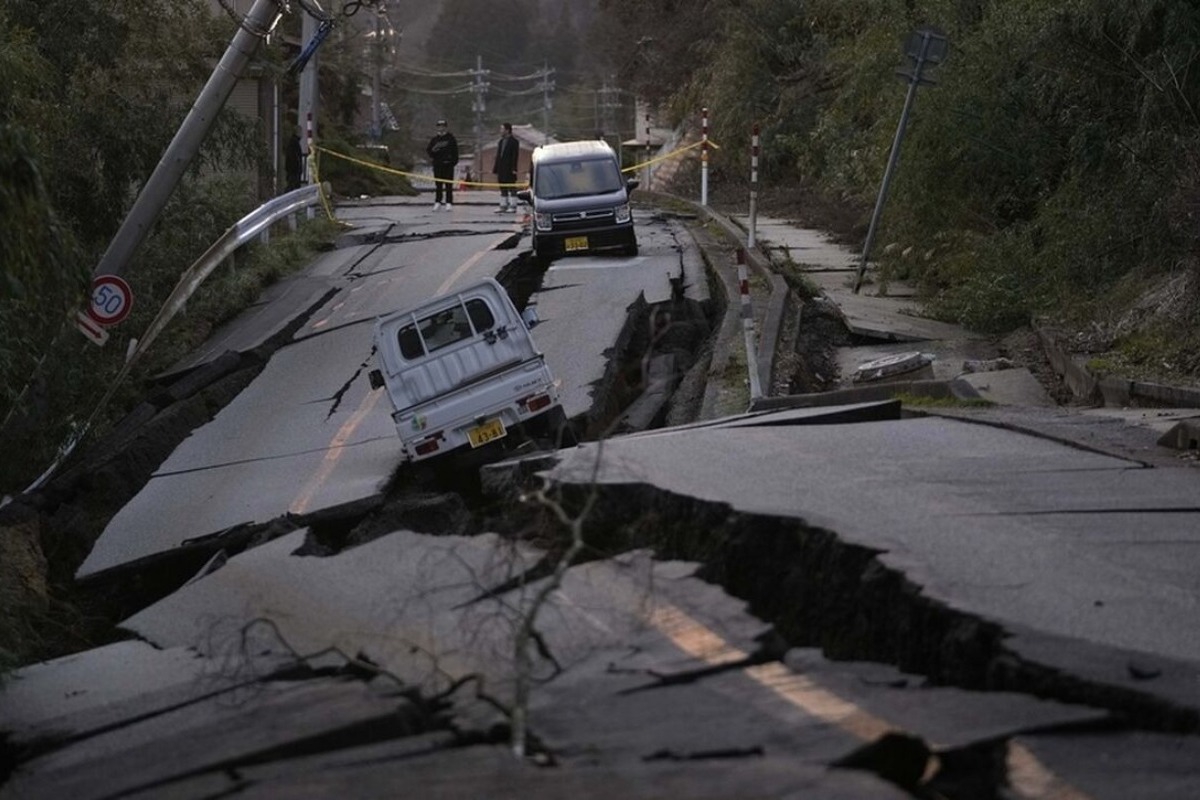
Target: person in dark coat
443	153
508	150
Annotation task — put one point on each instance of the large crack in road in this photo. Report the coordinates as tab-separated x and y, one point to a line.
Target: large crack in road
814	589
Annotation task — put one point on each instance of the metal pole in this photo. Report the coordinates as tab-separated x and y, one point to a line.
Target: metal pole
892	159
704	156
276	136
648	173
547	85
307	112
478	90
191	134
748	327
376	126
750	239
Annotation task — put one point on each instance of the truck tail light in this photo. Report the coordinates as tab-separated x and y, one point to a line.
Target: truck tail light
534	402
428	445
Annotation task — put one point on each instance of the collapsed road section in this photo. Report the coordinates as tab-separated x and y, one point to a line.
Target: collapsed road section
956	570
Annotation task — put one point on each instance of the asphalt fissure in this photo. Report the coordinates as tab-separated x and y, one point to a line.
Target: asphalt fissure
819	591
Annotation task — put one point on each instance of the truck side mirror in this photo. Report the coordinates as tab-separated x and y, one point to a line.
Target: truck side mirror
524	196
631	184
376	379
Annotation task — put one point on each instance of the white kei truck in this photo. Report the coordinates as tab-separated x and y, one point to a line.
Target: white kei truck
462	370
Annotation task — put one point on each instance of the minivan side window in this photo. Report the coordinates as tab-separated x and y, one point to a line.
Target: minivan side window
445	328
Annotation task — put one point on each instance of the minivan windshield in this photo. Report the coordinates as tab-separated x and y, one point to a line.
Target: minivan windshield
577	178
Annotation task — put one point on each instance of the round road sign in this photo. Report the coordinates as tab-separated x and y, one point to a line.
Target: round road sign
112	299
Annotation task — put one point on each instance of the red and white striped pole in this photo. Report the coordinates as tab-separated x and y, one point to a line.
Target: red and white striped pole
704	156
310	161
750	240
308	149
748	327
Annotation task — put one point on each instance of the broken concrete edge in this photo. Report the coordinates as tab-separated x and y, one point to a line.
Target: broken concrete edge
195	557
1129	683
955	389
772	325
648	409
1106	390
762	267
183	386
860	607
773	321
726	334
1016	426
87	489
181	373
605	405
1183	435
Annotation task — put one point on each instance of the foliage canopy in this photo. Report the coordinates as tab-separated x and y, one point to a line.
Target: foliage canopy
1054	164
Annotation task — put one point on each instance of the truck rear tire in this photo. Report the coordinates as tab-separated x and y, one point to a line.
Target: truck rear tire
555	430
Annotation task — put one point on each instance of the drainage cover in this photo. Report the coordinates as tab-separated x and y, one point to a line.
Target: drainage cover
892	366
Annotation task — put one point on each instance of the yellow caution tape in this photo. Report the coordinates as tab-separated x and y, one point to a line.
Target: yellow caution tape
671	154
485	185
418	176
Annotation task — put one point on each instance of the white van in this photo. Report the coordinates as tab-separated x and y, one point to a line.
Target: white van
462	370
580	199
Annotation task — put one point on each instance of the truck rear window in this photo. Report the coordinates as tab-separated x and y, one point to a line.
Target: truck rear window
444	328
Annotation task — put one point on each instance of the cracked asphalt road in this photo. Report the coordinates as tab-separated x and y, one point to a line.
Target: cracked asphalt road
697	673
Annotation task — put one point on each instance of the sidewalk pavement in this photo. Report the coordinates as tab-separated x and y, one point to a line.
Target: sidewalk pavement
892	334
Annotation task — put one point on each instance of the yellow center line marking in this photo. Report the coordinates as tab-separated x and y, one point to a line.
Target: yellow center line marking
1029	778
334	453
466	265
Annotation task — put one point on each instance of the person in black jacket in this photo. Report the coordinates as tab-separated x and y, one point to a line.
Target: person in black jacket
508	150
443	153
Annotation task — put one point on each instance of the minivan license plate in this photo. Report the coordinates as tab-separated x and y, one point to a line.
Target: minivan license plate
489	431
574	243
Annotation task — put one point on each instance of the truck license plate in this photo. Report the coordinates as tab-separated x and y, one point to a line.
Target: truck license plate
574	243
489	431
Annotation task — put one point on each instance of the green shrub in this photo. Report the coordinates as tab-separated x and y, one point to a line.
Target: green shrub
351	179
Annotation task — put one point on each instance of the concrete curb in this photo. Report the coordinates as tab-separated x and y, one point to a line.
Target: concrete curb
1110	391
956	389
761	265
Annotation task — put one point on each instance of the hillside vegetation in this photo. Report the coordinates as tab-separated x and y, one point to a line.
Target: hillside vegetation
91	94
1052	172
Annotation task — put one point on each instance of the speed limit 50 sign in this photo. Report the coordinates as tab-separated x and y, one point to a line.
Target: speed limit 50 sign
112	299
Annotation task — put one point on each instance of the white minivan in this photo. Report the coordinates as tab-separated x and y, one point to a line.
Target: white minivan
580	199
462	370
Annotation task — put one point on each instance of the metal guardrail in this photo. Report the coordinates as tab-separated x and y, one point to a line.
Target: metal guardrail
255	224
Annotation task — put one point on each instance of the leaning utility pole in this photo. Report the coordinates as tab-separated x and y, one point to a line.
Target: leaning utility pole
259	22
306	114
925	47
479	89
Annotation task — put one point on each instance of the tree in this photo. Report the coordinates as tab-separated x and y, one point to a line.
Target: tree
86	111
